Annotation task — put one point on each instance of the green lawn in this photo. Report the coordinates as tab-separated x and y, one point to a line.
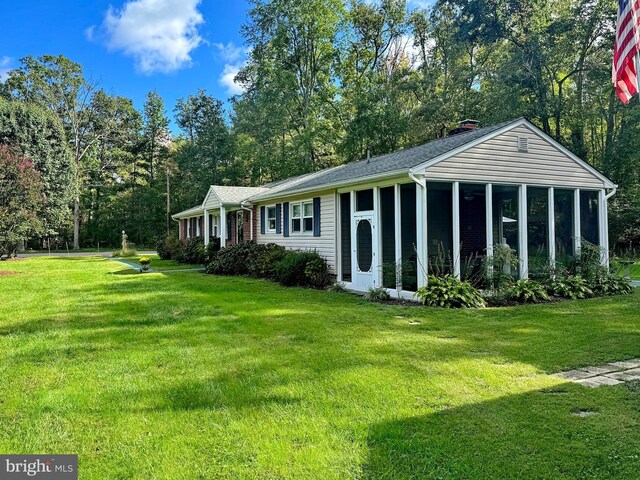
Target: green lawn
184	375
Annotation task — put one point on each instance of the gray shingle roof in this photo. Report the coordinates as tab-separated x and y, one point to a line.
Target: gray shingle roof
388	163
235	195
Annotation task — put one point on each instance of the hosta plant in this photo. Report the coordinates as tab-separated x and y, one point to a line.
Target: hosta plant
527	291
449	292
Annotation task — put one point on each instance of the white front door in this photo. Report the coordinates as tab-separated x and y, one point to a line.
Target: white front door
364	246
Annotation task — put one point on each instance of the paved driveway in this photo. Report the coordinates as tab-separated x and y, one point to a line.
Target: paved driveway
78	254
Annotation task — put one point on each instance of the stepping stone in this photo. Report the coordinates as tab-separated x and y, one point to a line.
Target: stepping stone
634	363
574	375
594	382
627	375
583	413
601	370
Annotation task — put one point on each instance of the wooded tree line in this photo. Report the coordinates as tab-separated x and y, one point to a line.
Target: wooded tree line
326	81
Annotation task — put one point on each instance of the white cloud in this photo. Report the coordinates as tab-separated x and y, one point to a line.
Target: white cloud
230	52
158	34
227	79
235	57
5	68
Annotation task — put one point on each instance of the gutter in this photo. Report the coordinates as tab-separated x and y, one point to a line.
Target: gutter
327	186
611	193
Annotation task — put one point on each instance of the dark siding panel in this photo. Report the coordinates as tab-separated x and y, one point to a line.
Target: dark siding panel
388	226
409	236
345	236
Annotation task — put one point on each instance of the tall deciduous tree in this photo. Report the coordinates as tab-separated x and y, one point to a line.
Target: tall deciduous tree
57	83
290	75
37	134
207	156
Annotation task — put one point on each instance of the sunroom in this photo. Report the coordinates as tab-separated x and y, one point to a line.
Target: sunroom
539	201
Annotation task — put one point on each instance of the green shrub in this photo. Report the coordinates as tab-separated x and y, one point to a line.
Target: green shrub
162	250
608	284
378	294
230	260
169	247
449	292
527	291
304	269
212	248
193	251
573	287
262	259
317	272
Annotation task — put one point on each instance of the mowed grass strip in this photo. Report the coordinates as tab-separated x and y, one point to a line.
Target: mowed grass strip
186	375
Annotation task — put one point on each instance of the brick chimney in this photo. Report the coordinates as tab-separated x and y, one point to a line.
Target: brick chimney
464	126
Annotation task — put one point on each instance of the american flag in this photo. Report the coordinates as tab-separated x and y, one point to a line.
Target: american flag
625	49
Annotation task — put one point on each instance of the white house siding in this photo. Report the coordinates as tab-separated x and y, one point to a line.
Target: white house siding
498	160
325	244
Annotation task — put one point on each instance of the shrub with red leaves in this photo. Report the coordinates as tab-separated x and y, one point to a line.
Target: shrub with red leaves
20	200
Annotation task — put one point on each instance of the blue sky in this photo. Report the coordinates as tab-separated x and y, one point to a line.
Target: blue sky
131	47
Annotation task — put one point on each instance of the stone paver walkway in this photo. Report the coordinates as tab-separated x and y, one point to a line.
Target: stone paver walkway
608	374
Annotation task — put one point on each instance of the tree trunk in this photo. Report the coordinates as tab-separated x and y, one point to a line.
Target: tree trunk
76	223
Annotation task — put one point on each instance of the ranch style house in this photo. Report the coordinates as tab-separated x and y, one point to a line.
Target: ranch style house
438	206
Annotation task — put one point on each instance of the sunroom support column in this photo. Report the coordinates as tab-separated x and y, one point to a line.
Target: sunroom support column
488	192
421	231
603	235
455	211
206	227
577	234
551	231
523	243
223	227
398	237
377	244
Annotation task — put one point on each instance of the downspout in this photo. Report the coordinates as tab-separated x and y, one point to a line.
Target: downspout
250	210
612	192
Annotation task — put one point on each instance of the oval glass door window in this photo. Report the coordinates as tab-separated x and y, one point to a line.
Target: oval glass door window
364	243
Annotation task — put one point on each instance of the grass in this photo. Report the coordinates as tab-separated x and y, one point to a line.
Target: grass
184	375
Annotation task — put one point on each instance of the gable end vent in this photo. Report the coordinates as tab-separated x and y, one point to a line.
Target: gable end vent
523	144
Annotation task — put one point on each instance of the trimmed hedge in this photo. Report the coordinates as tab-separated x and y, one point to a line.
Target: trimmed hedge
271	261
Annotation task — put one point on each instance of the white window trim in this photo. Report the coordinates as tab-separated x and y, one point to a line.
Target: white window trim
301	233
267	229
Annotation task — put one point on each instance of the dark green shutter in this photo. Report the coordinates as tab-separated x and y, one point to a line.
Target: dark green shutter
278	218
285	223
316	217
